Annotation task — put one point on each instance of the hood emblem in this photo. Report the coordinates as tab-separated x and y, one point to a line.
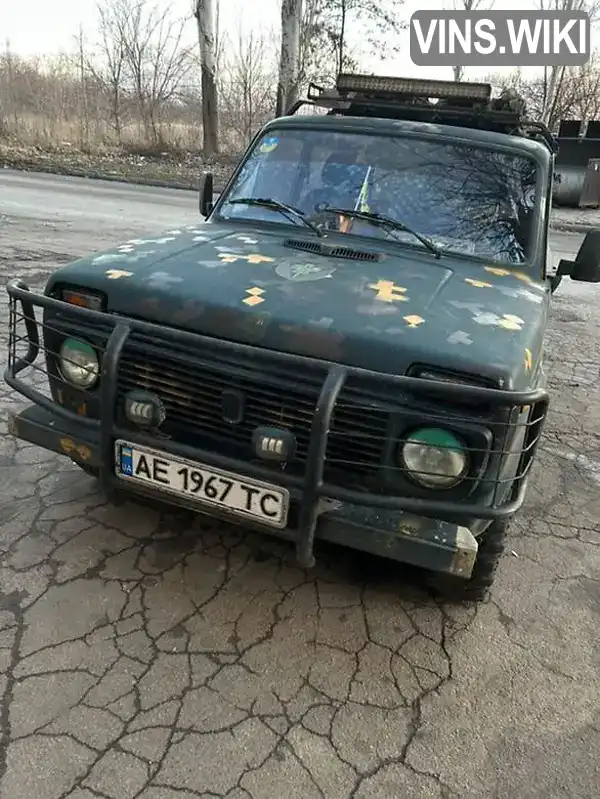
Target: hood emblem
303	272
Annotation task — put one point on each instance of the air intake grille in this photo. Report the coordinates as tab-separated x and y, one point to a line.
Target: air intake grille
333	252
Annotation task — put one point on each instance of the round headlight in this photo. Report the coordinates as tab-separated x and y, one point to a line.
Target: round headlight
78	363
435	458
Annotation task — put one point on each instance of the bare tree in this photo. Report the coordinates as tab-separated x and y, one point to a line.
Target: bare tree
204	12
325	28
64	103
84	132
577	96
469	5
111	70
554	76
156	59
289	59
142	58
583	84
246	86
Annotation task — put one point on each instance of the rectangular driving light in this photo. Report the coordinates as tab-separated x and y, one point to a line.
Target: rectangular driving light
348	82
273	443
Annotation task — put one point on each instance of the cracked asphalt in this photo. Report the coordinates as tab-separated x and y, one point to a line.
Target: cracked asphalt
147	654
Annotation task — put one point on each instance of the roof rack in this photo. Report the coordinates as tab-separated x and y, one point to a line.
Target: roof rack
461	104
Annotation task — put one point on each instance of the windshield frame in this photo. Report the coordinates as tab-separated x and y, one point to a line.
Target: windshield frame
418	131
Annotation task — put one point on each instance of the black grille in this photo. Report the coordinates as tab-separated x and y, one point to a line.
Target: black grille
191	389
333	252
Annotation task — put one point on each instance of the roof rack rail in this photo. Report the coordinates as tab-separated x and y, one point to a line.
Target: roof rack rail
456	103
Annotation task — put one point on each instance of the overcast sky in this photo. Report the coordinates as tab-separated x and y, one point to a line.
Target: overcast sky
43	26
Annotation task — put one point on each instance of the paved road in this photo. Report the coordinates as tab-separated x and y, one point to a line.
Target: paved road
155	656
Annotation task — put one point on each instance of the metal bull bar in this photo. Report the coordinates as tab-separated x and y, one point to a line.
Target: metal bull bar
311	485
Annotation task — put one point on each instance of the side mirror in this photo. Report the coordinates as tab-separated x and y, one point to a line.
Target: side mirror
586	266
206	194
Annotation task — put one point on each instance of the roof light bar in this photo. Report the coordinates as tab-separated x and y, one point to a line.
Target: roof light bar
347	82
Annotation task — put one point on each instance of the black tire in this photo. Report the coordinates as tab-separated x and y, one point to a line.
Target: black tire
491	547
555	283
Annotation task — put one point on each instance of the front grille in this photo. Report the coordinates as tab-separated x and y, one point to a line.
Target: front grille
500	429
191	389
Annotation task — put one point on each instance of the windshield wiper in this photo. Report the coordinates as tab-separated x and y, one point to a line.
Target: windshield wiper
387	223
287	210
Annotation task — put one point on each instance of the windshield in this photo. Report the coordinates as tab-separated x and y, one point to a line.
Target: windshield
465	199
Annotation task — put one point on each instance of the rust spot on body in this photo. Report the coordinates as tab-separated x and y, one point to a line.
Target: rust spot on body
71	448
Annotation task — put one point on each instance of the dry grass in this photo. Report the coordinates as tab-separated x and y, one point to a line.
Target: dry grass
178	170
58	117
36	130
51	131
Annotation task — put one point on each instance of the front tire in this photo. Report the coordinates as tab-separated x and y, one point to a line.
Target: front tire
491	548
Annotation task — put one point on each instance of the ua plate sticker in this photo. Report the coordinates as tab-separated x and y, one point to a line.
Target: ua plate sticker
126	461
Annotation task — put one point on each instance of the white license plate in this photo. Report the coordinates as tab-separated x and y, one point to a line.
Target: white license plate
208	486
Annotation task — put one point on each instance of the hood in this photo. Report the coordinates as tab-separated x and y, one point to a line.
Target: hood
406	308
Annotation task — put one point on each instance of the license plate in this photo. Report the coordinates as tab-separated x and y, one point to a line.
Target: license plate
205	485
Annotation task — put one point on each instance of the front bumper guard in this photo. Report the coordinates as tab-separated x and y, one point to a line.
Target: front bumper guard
393	521
436	545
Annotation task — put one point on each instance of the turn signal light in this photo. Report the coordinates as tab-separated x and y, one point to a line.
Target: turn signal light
82	300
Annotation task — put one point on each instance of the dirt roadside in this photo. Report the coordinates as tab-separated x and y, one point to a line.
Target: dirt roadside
167	170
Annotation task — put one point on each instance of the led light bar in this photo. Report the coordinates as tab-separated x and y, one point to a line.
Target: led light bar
347	82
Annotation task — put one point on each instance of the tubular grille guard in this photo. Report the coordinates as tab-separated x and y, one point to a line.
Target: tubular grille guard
349	422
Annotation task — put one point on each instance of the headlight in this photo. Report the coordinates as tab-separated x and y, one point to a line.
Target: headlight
435	458
78	363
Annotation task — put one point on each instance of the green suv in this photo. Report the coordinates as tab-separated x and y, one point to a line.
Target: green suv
348	347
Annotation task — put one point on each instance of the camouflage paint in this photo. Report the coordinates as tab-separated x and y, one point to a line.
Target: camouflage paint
406	308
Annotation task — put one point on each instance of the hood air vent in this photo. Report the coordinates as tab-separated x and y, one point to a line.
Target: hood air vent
332	251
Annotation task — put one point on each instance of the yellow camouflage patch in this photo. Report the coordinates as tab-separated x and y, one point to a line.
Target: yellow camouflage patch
254	296
388	291
116	274
480	284
511	322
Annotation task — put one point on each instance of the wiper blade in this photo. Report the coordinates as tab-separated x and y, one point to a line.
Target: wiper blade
287	210
388	223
